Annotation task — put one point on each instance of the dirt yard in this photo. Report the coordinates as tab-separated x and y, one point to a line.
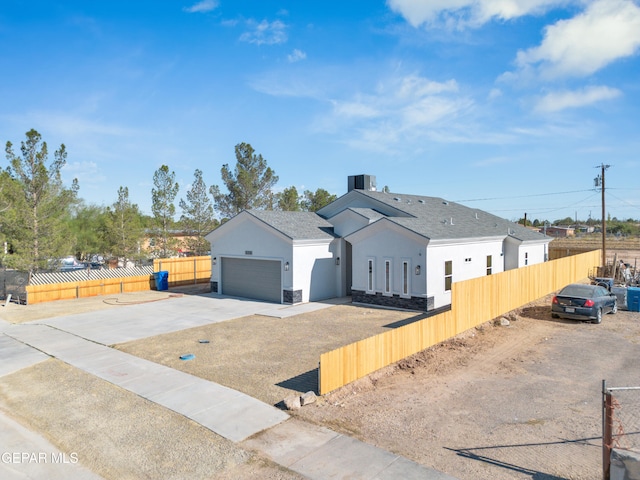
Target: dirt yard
498	402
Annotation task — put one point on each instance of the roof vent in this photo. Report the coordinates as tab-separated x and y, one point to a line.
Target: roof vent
476	215
421	201
451	220
396	199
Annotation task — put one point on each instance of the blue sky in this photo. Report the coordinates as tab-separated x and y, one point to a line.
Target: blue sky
507	106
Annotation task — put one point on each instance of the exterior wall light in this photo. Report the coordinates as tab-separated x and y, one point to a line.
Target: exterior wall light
418	269
286	266
337	260
215	260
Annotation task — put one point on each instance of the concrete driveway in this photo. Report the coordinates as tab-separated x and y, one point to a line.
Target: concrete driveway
171	315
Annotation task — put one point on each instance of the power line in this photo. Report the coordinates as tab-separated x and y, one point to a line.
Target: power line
522	196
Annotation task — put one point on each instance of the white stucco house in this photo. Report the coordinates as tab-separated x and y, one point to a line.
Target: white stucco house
381	248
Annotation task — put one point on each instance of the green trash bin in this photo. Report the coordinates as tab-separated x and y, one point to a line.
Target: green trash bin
162	280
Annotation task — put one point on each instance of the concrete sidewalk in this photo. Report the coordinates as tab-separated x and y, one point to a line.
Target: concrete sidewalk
227	412
28	455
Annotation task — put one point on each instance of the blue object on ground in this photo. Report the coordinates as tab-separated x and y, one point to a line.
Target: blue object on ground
162	280
188	356
633	299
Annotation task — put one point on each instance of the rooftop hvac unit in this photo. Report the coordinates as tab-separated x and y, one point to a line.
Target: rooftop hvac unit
362	182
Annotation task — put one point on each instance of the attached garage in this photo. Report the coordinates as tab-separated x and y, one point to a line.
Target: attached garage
252	278
274	256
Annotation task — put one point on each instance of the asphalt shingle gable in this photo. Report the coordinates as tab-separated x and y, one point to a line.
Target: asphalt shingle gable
437	218
296	225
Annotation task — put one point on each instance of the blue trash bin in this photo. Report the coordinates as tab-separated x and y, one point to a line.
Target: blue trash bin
162	280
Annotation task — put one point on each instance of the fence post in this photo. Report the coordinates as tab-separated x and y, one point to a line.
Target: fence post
607	431
195	273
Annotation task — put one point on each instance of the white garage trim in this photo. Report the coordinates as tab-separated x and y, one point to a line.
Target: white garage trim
252	278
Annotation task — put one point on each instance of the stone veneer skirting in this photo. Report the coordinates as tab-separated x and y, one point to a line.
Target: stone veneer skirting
291	296
423	304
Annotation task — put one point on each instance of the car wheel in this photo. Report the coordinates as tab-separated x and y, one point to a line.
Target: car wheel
598	316
615	307
555	315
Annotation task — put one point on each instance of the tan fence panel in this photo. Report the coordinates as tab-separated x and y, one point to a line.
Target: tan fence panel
185	270
87	288
473	302
182	271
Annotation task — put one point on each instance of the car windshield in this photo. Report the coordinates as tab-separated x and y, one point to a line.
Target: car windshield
584	291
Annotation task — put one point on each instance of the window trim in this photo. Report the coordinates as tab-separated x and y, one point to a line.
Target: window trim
388	276
448	277
406	279
489	264
371	275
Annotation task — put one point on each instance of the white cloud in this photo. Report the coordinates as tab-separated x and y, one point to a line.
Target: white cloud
457	14
265	33
556	101
495	93
606	31
399	111
87	173
67	126
296	56
202	7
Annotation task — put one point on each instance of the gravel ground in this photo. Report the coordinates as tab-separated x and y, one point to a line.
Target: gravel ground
514	402
267	358
517	402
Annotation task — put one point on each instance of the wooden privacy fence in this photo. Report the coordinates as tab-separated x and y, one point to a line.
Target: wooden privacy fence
87	288
185	270
182	271
473	302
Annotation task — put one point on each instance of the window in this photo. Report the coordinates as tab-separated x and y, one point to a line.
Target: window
489	262
448	275
526	258
405	278
370	275
387	276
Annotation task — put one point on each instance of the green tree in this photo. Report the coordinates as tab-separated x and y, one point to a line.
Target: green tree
162	197
314	201
289	200
88	230
249	185
197	216
40	204
123	228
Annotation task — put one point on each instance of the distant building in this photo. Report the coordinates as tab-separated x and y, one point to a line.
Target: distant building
560	232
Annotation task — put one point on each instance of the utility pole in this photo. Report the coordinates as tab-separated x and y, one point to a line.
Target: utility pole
599	180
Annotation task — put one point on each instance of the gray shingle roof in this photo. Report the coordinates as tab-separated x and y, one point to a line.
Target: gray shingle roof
296	225
367	213
437	218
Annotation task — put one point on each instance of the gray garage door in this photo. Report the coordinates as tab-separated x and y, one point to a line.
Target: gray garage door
259	279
